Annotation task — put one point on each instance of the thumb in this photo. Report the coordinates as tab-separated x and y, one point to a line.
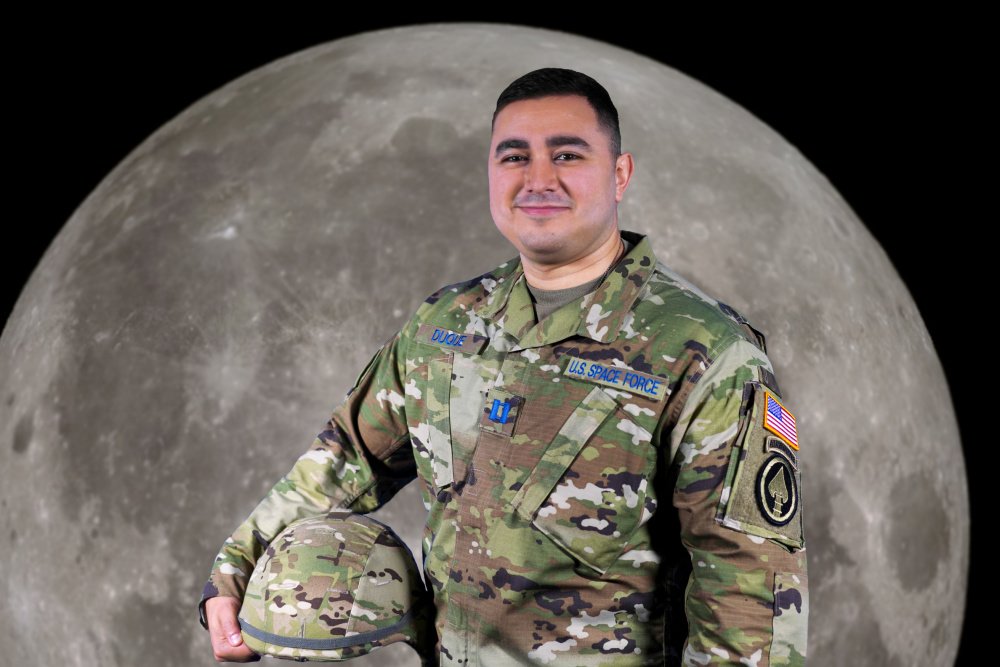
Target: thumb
231	630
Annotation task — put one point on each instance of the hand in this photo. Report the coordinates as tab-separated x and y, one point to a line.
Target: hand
224	629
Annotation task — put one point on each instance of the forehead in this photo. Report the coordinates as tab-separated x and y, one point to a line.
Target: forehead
545	115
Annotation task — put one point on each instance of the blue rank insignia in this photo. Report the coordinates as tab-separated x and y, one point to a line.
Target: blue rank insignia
500	410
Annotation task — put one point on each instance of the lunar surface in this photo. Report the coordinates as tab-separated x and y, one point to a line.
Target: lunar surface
192	326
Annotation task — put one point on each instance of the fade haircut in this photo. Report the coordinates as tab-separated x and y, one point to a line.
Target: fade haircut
556	81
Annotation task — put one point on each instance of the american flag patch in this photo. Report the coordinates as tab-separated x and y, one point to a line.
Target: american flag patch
780	421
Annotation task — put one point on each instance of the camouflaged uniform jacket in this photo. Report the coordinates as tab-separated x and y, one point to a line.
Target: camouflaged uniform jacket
617	485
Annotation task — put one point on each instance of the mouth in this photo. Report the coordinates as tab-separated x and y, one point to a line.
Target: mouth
542	211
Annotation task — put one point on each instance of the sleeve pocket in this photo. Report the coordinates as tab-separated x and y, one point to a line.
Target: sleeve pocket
761	495
790	621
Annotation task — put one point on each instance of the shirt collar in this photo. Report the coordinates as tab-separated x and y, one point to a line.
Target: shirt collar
598	315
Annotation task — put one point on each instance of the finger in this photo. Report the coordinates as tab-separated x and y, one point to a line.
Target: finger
226	653
242	654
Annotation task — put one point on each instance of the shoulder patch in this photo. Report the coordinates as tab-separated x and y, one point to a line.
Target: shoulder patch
776	491
780	421
761	493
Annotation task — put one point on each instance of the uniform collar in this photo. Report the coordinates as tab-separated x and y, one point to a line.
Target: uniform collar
598	315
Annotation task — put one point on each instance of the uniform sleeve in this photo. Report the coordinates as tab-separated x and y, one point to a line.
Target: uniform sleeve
359	461
738	498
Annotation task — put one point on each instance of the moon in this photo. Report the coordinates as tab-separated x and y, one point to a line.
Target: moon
199	316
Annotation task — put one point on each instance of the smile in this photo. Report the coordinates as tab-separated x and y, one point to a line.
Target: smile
541	211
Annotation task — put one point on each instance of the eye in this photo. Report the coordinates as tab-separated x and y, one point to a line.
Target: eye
512	158
565	157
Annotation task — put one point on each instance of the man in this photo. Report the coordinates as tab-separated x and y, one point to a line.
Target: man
611	473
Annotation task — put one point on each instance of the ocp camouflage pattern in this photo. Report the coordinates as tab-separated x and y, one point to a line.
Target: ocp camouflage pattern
544	543
334	587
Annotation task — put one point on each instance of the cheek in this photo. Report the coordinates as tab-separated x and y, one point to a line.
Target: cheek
496	195
502	177
503	186
499	205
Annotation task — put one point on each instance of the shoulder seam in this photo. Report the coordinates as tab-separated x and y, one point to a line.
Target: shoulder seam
712	354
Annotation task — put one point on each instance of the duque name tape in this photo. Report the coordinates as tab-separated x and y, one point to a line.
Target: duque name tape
624	379
448	339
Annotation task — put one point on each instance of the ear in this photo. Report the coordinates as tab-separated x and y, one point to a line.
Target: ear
624	167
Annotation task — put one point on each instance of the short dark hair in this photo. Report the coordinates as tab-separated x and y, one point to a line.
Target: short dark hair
557	81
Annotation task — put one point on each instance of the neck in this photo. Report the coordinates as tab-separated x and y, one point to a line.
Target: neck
593	265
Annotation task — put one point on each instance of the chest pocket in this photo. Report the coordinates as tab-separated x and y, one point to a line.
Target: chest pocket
428	391
591	490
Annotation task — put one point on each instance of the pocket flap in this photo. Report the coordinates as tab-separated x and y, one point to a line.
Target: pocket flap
571	438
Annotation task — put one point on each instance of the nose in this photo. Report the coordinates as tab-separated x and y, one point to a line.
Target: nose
540	176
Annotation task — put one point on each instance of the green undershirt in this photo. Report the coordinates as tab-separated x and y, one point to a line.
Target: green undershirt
549	300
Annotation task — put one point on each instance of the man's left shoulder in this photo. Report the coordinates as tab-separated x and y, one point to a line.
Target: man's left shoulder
673	301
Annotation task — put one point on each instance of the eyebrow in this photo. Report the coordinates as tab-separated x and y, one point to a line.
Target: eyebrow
550	142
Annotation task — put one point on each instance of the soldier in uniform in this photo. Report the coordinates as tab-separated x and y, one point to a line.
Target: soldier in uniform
611	472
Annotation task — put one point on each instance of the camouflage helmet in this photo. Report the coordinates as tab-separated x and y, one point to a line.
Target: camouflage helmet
334	587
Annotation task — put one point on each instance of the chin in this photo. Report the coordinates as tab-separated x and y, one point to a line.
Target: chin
551	251
545	240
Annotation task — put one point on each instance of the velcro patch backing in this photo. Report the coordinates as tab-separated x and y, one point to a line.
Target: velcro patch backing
763	479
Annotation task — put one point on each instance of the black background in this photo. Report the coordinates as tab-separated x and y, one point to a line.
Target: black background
890	112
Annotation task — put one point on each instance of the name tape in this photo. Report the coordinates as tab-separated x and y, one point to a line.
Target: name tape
625	379
448	339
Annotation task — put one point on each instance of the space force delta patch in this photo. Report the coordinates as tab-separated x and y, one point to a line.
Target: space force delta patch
450	340
625	379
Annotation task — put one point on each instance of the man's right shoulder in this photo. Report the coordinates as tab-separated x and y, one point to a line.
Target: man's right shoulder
454	305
